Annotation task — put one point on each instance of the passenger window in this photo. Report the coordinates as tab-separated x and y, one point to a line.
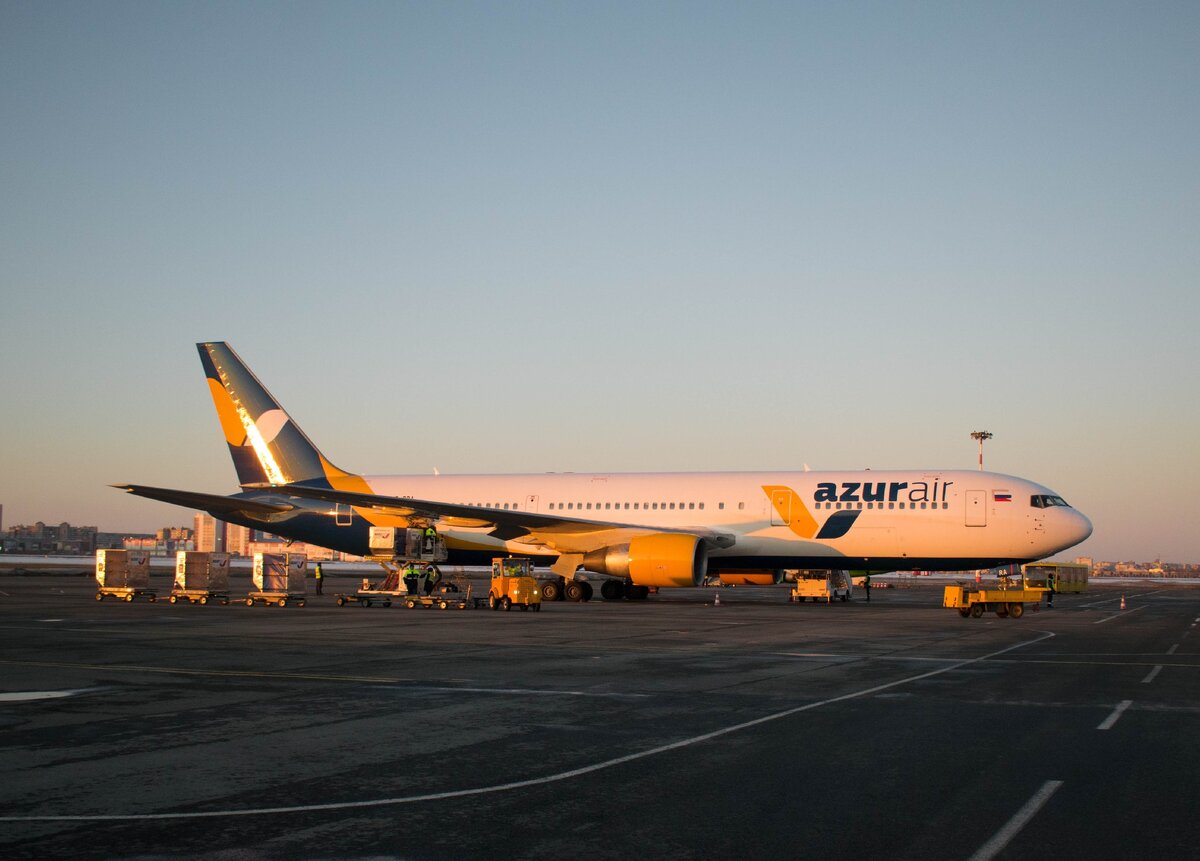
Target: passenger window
741	506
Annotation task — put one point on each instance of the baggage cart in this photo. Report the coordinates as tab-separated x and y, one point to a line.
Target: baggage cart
124	575
200	577
821	585
442	600
279	579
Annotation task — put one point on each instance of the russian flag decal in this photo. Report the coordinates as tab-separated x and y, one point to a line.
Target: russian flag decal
999	496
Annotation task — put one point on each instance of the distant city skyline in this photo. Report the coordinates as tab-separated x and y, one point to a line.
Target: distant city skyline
619	237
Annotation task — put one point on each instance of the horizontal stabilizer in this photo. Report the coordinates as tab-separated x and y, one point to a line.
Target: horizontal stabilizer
210	502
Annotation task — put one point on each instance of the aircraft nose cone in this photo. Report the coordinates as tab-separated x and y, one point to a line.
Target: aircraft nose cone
1080	529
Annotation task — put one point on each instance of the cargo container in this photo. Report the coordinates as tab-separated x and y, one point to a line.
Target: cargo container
123	574
201	577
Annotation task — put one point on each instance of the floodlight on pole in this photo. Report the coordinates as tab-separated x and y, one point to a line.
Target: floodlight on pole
981	436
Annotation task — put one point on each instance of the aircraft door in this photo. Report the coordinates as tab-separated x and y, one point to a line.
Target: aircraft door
531	502
976	508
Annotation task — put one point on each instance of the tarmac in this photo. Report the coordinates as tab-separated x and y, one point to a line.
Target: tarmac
669	728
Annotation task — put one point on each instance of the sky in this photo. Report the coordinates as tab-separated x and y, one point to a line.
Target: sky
528	237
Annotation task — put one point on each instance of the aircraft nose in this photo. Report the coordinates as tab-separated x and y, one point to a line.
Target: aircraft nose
1079	529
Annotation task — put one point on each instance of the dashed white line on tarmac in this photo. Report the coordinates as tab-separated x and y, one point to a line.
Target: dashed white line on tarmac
1020	819
1150	675
1171	650
534	781
1108	722
1120	614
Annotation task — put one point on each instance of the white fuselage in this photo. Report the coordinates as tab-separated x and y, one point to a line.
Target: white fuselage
930	518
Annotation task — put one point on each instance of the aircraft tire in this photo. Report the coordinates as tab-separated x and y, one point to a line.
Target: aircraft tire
552	590
612	590
573	591
588	592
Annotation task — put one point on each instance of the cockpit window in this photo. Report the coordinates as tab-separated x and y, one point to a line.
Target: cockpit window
1047	501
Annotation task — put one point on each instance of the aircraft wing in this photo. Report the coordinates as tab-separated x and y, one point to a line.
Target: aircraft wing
211	502
565	534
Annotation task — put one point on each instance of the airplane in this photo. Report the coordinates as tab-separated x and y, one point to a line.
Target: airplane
643	530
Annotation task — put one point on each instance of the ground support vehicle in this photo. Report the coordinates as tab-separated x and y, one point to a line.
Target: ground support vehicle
198	596
513	585
125	593
442	600
200	577
124	575
279	578
1059	577
1005	601
281	599
820	585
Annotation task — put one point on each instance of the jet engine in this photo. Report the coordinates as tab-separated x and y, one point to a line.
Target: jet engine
662	559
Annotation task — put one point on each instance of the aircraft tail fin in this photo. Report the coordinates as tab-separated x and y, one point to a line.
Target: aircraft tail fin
267	446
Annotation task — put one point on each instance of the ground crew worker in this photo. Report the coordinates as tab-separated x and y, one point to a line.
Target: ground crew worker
430	539
432	575
319	576
410	579
867	586
1052	585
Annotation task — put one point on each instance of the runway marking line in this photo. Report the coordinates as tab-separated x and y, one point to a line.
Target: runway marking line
1171	650
1150	675
533	781
1108	722
1020	819
1120	614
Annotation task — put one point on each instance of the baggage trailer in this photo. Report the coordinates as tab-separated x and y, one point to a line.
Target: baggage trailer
443	600
384	592
200	577
280	579
821	585
124	575
1005	601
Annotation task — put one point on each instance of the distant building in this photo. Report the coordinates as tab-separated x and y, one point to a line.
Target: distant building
214	535
61	540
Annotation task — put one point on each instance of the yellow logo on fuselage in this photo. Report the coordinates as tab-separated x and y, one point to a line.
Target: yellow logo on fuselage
791	509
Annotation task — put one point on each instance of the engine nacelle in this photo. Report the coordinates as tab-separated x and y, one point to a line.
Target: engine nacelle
751	577
663	559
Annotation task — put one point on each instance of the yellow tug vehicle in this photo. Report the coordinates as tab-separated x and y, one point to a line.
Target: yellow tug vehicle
513	585
1009	599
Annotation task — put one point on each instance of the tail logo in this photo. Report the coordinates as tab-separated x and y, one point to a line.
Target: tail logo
241	430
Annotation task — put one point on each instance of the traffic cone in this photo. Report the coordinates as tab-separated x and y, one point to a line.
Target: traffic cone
717	600
1122	602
